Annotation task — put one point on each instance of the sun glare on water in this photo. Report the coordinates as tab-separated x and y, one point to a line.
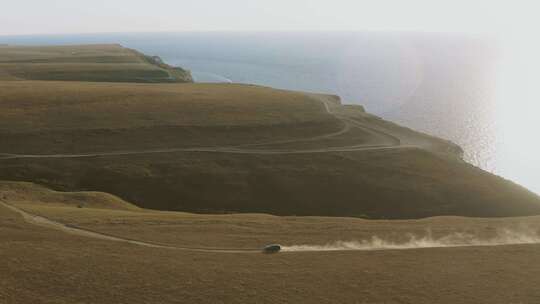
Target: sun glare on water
517	106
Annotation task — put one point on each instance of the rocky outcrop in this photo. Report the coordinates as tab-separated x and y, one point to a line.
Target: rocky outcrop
177	74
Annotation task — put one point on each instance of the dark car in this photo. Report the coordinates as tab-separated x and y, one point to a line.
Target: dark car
274	248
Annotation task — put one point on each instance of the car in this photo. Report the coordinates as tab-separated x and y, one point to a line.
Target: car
273	248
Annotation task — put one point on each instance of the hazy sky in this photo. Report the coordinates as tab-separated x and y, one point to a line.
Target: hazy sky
82	16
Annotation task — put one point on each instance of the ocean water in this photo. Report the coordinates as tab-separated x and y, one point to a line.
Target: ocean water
475	91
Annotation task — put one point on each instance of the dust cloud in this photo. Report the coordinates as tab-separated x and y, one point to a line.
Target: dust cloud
507	236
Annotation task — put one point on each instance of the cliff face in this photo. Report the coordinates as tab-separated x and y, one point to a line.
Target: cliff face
177	74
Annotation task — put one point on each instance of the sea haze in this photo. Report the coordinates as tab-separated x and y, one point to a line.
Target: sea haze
443	84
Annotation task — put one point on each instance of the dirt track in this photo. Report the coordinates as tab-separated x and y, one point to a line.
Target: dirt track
47	223
376	244
385	142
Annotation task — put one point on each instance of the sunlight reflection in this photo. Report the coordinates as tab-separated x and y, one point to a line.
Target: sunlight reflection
517	108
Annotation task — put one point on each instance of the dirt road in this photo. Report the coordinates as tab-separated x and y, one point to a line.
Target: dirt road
385	141
504	238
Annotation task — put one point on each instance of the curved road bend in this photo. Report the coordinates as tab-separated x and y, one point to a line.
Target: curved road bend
48	223
392	142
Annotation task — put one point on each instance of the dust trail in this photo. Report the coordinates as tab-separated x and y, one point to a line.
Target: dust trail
507	236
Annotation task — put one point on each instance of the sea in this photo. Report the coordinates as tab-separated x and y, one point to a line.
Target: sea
477	91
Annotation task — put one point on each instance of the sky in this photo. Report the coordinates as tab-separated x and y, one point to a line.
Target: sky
97	16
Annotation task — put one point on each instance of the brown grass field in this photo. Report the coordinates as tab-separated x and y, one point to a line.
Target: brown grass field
117	191
44	265
107	63
426	179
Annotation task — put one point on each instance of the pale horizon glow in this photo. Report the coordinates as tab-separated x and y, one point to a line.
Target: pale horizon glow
25	17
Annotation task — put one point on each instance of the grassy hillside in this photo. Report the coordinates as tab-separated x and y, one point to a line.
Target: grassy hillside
68	268
68	117
424	178
222	148
28	193
103	63
212	165
110	215
390	184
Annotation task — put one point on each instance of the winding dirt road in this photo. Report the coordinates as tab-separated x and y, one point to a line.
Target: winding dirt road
385	142
450	241
48	223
